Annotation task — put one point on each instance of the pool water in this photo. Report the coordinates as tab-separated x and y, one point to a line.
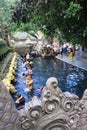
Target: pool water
70	78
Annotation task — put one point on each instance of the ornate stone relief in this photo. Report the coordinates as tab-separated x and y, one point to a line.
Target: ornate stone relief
55	110
9	116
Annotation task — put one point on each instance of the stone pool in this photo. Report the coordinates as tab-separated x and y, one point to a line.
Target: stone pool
70	78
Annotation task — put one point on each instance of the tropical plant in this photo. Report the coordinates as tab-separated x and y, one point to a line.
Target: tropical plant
69	17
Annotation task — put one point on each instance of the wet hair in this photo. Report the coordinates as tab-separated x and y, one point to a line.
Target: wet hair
23	74
19	95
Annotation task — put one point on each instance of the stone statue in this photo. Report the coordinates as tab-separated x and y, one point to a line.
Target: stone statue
55	110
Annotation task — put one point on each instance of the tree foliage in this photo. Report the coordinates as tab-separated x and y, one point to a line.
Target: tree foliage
5	13
23	11
68	17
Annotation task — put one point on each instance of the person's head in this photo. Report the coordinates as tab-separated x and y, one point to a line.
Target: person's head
27	56
28	77
71	50
31	63
18	95
30	71
23	75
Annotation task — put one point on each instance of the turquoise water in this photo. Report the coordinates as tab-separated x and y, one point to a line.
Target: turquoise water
70	78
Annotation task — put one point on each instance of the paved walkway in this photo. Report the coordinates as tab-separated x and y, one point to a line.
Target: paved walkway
79	60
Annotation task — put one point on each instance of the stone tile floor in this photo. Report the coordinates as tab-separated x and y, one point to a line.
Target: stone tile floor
79	60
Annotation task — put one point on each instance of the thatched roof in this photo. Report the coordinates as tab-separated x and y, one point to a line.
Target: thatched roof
21	35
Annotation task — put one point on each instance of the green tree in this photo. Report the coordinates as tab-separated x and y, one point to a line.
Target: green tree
5	13
53	16
23	11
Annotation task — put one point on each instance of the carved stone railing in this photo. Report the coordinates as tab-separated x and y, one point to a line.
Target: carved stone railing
55	110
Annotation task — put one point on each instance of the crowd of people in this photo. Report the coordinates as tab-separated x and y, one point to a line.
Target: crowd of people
63	50
28	75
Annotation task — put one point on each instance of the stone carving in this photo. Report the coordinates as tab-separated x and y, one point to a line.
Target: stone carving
47	51
55	110
9	117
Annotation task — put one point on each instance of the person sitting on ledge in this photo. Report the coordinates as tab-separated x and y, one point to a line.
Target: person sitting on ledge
20	99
